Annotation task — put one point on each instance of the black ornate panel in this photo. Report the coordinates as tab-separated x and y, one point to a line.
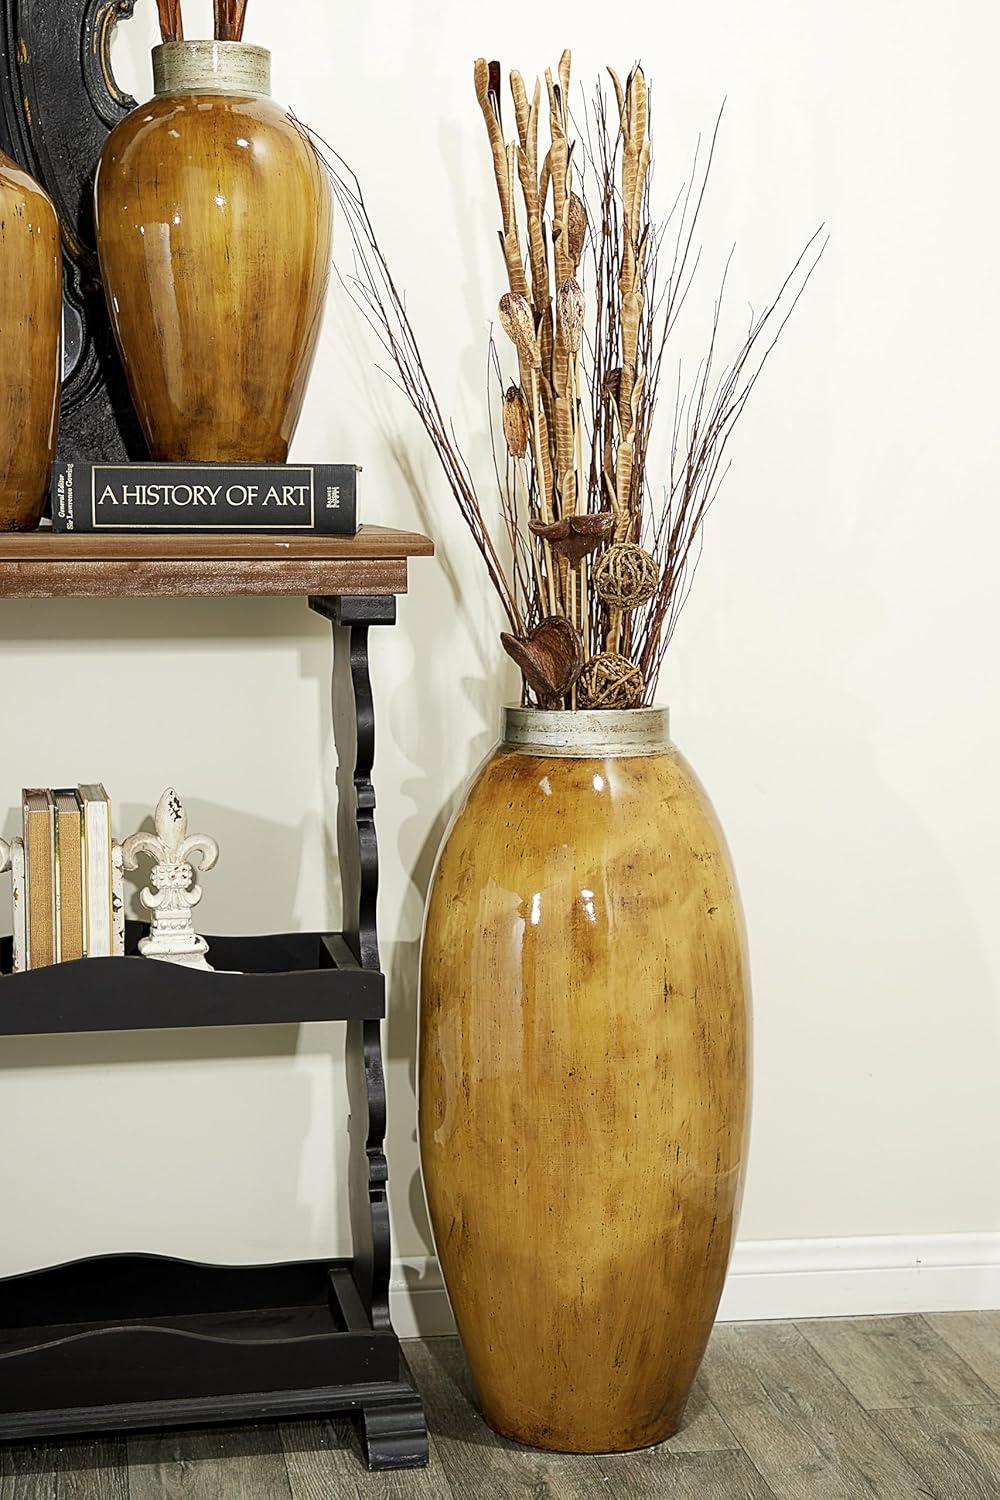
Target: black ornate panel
358	853
58	103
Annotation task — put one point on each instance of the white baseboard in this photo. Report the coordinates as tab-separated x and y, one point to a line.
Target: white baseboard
863	1275
418	1302
788	1279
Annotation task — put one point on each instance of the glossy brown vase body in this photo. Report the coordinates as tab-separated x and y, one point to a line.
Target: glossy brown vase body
214	230
30	345
583	1078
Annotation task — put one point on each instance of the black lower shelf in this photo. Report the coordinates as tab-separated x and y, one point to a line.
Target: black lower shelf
132	1341
288	978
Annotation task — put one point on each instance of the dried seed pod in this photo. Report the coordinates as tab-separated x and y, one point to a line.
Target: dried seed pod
494	89
626	576
570	311
550	656
516	421
613	384
518	323
610	681
577	227
574	537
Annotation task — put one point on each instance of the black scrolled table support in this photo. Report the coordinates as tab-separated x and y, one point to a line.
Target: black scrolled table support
357	846
392	1426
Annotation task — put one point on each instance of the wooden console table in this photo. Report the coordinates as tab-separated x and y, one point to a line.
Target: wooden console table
140	1341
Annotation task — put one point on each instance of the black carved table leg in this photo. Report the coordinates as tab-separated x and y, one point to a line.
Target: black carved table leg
393	1427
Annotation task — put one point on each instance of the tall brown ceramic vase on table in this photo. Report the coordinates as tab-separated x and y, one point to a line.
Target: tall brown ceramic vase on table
214	229
584	1076
30	345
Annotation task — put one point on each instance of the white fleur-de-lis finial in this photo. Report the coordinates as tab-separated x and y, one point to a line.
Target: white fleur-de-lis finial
173	888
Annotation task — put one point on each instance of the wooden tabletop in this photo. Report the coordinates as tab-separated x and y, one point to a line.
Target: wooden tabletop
47	564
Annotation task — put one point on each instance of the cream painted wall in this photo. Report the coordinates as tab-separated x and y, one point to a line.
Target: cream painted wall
833	679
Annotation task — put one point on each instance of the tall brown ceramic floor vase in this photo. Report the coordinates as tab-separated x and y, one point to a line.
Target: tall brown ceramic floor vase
214	218
30	345
583	1076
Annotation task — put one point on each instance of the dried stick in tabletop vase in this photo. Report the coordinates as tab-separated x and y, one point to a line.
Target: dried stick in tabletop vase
229	18
171	20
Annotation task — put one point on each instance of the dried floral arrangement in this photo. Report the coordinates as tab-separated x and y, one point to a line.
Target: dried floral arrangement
229	17
597	547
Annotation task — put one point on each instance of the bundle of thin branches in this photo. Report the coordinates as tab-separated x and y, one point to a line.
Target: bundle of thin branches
595	569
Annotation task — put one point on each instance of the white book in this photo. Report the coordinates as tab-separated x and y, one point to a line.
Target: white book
118	898
97	871
20	906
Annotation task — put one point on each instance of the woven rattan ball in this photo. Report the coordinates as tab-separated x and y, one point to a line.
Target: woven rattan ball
626	576
610	681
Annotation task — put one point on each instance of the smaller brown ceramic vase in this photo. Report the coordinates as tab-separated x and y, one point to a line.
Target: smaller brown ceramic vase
214	217
30	345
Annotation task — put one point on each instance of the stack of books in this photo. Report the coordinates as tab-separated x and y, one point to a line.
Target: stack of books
67	874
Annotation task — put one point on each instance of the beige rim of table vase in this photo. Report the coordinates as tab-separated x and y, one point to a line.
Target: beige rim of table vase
211	68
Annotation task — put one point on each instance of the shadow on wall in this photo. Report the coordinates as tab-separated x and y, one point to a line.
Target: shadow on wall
146	710
418	851
420	720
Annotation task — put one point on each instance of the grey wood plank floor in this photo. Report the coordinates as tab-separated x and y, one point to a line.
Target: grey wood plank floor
900	1408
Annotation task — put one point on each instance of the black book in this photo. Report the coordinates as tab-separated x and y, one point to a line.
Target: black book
316	498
